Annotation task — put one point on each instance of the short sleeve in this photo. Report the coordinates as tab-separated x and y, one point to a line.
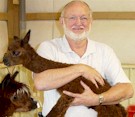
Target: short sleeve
114	72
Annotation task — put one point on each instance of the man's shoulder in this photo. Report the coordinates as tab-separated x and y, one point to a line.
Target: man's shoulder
52	44
52	41
100	45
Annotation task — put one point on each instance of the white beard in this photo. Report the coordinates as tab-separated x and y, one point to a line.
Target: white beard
74	36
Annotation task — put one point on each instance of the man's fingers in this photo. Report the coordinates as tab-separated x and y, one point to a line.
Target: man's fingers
100	80
84	85
94	82
71	94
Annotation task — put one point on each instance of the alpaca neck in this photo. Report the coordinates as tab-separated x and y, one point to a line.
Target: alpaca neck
39	64
6	111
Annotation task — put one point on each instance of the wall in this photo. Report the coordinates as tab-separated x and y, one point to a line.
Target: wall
119	34
3	30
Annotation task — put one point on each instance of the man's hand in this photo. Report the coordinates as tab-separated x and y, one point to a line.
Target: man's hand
91	74
87	98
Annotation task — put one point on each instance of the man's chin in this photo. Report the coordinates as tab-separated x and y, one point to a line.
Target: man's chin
78	37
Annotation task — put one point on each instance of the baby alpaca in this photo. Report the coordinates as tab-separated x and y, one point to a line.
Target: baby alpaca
20	52
14	97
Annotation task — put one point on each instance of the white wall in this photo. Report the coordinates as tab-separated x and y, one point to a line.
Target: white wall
119	34
3	38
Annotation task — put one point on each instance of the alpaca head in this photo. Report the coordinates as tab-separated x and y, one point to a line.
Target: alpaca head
17	93
19	51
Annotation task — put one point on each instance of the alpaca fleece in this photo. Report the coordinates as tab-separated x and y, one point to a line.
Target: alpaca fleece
14	97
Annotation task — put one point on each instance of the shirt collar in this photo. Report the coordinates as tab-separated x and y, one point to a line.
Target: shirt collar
65	45
91	48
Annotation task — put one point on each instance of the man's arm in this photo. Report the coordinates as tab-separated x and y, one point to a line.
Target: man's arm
114	95
118	93
55	78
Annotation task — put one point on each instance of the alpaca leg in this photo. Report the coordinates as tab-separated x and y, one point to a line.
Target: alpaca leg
61	107
110	111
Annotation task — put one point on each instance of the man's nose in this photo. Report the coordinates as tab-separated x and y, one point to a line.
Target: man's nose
78	20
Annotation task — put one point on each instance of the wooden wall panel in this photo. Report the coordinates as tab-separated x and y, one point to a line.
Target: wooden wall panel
96	16
13	19
3	17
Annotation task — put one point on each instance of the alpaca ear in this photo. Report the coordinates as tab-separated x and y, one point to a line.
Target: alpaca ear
26	38
16	38
14	75
5	81
0	86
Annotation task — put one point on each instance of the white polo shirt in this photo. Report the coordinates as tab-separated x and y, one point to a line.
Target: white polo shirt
98	55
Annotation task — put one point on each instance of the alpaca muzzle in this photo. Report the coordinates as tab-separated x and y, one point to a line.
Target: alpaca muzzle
6	61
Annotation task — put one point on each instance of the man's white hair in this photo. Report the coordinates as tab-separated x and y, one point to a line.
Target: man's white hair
67	5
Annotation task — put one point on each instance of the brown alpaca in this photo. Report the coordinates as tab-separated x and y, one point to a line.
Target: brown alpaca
20	52
14	97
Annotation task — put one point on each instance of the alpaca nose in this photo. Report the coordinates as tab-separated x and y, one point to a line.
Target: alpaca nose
6	61
36	104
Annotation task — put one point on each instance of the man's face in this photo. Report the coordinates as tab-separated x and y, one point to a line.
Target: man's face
76	21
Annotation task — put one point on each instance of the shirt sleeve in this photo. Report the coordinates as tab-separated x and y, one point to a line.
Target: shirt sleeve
114	72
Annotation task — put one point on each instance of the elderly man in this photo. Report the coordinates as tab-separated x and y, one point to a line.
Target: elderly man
92	60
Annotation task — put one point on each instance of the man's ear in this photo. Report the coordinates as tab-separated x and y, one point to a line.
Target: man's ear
61	20
16	38
91	21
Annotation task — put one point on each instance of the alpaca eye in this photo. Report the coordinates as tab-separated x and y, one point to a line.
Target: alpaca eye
9	48
15	97
15	53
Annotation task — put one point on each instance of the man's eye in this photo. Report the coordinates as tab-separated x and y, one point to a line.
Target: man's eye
72	18
84	18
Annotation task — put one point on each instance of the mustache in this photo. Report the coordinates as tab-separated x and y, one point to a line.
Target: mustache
77	27
75	36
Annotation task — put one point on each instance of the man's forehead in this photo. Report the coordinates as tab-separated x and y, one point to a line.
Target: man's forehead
76	8
76	3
